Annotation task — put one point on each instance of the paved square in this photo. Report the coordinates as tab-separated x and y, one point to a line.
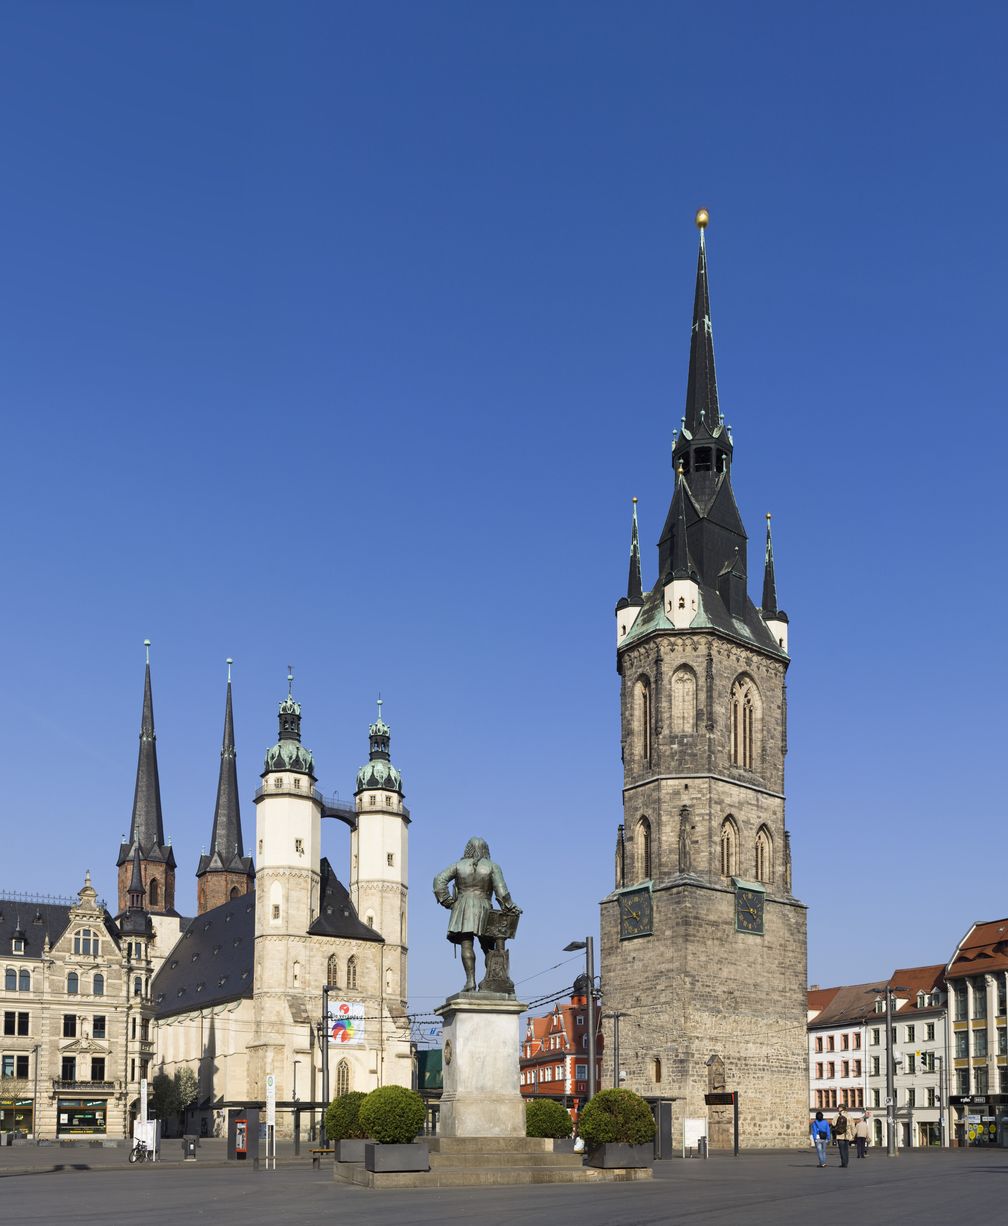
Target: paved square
785	1189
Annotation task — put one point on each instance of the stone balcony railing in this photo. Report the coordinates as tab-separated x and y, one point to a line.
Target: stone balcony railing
88	1087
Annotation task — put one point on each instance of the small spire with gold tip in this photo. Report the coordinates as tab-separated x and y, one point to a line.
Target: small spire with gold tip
147	649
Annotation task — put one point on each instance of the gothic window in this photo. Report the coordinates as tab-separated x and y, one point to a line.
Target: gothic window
351	972
764	855
332	971
98	985
643	849
73	983
684	700
296	974
24	981
154	892
729	848
342	1078
643	705
234	892
745	724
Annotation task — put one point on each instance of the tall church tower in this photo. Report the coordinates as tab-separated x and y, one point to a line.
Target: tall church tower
379	856
157	860
288	855
703	942
225	872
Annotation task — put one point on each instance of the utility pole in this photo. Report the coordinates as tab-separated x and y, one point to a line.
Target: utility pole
890	1071
588	945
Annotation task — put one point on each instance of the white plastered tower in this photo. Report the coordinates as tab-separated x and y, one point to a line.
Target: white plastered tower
379	859
288	852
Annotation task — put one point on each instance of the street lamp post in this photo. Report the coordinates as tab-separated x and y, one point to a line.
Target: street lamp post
297	1115
588	945
891	1149
324	1036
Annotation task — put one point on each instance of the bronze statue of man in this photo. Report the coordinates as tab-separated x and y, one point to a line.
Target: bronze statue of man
477	879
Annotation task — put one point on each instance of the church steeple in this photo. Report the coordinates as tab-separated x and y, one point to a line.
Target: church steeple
226	872
680	548
702	411
146	824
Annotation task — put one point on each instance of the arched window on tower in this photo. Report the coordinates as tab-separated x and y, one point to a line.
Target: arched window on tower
746	711
729	848
684	700
332	971
643	705
342	1078
154	892
351	972
643	849
764	855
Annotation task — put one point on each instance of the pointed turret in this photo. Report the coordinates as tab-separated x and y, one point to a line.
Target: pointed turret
680	546
136	886
628	606
776	619
634	589
137	921
147	825
226	872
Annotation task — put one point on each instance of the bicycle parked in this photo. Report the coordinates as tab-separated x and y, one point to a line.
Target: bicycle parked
140	1152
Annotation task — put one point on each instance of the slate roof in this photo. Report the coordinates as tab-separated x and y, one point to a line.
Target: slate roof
337	915
38	920
850	1004
983	949
212	960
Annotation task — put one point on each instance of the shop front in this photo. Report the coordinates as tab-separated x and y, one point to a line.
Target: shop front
17	1115
81	1116
980	1119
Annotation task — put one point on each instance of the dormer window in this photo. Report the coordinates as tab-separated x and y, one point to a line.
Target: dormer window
17	945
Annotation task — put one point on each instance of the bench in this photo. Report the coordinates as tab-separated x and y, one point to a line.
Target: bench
316	1156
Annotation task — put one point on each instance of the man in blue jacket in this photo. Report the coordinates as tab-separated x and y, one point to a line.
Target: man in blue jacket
820	1133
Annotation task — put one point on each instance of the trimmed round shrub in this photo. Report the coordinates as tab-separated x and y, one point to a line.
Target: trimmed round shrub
616	1116
392	1115
342	1121
544	1117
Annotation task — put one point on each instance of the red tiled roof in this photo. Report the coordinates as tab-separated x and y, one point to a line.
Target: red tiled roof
913	980
983	949
819	998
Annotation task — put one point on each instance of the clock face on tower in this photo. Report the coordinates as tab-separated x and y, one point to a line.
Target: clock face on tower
748	911
635	913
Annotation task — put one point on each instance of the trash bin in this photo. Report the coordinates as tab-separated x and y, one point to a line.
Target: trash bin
189	1149
702	1147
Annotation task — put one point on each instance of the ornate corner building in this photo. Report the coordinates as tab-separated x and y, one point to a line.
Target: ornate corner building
703	942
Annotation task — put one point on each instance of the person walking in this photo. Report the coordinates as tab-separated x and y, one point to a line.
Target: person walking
861	1135
842	1137
820	1134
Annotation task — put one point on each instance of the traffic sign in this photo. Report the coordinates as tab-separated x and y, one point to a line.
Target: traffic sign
271	1100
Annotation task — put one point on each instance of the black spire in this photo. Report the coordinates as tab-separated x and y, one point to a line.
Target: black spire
680	547
227	834
635	591
136	885
701	387
146	826
769	581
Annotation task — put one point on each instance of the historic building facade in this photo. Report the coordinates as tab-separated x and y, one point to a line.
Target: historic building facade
703	941
554	1050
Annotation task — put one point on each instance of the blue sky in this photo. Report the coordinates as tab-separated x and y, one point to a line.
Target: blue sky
342	335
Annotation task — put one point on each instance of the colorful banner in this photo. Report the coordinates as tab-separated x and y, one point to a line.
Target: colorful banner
346	1023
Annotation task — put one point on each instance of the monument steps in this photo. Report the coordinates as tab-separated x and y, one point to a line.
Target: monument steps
474	1162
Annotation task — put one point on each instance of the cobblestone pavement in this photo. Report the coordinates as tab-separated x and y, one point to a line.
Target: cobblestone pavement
785	1189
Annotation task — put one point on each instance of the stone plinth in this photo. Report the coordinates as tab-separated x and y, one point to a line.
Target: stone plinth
481	1095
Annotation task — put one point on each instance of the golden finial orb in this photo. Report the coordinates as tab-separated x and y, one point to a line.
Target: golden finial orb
635	501
702	218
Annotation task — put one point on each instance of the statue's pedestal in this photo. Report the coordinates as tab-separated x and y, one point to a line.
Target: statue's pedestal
481	1095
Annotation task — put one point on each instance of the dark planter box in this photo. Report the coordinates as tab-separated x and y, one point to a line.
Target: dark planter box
350	1151
387	1158
611	1155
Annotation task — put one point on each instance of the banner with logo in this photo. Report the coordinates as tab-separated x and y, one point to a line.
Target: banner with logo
346	1023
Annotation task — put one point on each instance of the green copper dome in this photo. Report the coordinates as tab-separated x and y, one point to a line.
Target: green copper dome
288	754
378	771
